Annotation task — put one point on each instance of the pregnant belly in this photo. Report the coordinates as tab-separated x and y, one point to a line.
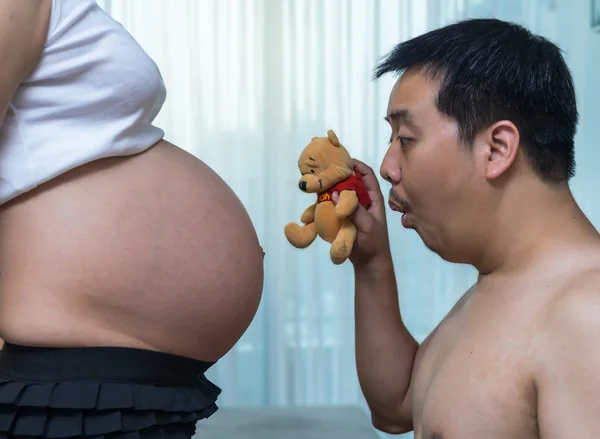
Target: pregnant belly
151	251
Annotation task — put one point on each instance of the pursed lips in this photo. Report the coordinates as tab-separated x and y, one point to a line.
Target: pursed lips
395	204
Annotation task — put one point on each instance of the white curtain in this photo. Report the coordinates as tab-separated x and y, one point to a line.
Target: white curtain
249	83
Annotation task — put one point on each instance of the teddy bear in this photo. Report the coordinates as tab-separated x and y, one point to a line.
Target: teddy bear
326	167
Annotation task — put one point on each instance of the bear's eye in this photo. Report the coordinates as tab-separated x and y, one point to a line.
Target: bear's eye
312	171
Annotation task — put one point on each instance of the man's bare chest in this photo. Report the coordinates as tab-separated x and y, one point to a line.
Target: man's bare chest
474	381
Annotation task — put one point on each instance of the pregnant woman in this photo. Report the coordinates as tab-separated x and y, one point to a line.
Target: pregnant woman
127	266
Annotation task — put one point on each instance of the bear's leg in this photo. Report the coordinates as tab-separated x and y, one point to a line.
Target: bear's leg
343	243
301	236
308	216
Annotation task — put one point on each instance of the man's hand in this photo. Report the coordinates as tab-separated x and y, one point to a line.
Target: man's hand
385	349
372	241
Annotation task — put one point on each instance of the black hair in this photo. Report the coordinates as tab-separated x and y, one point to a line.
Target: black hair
492	70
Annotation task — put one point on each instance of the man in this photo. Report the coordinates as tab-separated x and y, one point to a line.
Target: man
482	121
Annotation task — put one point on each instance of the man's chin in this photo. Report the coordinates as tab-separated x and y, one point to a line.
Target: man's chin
444	253
430	244
434	245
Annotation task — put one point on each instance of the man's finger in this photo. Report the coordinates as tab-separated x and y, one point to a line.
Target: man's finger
362	168
368	176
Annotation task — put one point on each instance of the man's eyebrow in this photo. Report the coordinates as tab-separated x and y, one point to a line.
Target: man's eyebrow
400	115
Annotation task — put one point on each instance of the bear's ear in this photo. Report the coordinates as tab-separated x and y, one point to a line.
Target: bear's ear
333	138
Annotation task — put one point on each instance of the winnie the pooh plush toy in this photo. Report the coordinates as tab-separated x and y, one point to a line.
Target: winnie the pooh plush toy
326	167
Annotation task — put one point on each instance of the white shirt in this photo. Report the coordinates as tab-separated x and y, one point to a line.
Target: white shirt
93	94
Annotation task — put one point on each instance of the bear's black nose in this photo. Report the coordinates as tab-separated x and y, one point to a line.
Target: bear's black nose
302	185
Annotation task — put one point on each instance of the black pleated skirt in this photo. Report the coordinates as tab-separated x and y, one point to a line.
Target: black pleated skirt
101	393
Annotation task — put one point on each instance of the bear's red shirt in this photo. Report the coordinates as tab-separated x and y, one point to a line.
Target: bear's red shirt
352	183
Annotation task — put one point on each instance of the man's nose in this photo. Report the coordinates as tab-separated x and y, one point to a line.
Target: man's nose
302	186
391	168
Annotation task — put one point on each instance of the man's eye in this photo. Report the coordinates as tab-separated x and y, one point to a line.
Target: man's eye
405	141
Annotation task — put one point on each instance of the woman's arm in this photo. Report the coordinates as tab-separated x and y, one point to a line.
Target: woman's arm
23	29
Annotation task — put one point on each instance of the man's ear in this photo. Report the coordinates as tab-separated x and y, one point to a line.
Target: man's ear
502	145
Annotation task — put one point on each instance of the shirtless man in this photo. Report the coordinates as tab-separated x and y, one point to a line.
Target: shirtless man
483	120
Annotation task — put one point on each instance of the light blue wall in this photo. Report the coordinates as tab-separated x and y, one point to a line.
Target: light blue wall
582	48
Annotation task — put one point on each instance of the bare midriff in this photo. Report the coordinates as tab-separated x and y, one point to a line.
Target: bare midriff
152	251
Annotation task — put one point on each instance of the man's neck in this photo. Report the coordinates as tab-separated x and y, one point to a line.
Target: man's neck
534	220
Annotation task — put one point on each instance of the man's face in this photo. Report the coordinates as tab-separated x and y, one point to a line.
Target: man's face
432	174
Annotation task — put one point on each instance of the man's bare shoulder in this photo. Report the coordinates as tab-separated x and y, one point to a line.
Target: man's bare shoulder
575	307
568	354
578	296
